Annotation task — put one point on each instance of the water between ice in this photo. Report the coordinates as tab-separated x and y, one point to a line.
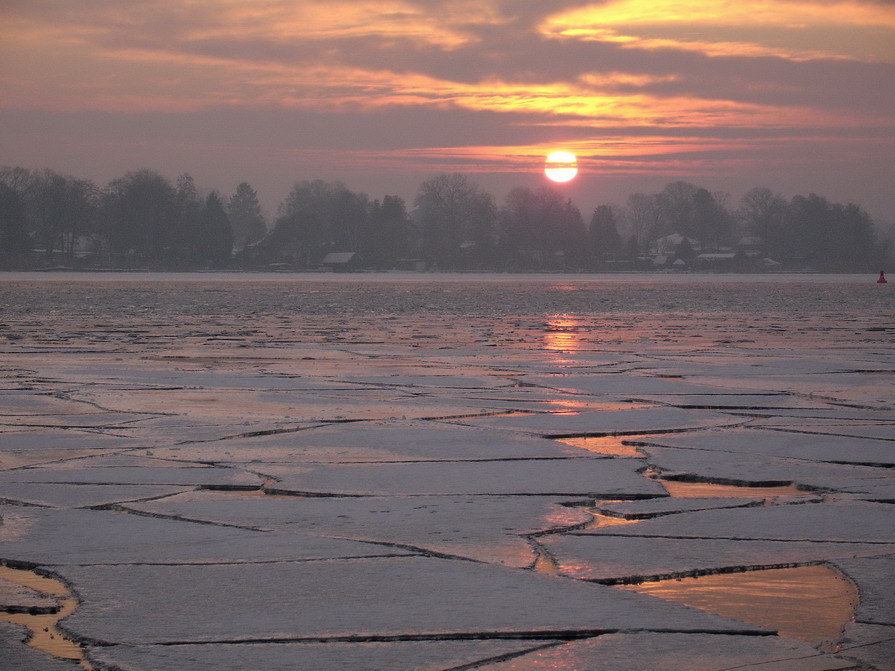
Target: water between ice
42	631
811	603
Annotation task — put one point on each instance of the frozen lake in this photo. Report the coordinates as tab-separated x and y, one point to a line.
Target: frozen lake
404	471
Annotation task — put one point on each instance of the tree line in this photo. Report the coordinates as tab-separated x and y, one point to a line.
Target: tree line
143	220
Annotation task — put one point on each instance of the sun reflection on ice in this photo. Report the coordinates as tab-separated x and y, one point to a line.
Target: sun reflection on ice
562	334
610	445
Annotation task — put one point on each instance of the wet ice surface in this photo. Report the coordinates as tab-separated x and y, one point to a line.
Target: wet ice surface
371	471
694	652
485	528
330	656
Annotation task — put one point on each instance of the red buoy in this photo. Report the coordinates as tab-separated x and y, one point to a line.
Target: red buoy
882	278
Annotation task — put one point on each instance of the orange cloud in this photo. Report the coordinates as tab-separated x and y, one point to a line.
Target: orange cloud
794	14
271	20
139	79
789	30
658	155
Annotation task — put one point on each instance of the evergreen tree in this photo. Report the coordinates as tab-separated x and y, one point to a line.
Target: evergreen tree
832	237
684	250
541	226
60	209
389	234
186	241
137	211
316	218
605	240
246	219
762	215
215	232
13	233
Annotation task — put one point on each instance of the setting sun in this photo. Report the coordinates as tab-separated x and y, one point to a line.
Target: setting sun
561	166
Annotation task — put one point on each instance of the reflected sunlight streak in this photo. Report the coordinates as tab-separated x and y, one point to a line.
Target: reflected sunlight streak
561	335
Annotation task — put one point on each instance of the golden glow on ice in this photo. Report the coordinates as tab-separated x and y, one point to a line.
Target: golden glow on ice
811	603
609	445
689	490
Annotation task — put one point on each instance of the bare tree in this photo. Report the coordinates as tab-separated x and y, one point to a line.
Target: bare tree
450	211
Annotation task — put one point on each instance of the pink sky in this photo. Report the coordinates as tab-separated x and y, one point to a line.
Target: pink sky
796	95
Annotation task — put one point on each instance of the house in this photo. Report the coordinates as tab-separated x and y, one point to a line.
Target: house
341	262
417	265
670	243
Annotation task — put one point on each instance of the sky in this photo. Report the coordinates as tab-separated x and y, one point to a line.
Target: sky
794	95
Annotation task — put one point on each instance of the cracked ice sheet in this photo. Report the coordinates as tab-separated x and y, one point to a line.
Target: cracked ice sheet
272	407
78	496
36	445
14	405
375	442
881	491
94	420
617	558
872	644
394	656
764	402
670	505
834	411
586	477
482	528
14	459
676	652
137	475
855	522
760	363
361	598
99	381
638	420
529	399
92	471
833	428
874	579
839	449
845	386
15	598
629	384
119	459
747	468
74	537
178	430
438	378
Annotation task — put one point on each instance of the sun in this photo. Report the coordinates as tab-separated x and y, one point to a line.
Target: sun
561	166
